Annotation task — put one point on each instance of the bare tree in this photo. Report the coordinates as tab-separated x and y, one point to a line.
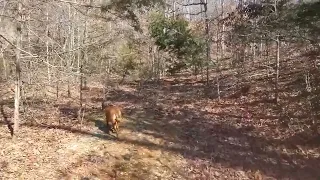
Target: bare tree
18	68
277	60
4	62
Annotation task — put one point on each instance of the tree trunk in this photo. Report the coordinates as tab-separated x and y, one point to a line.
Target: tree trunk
47	43
205	4
277	71
18	71
277	63
71	45
85	54
4	62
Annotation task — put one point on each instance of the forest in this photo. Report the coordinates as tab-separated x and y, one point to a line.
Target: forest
225	89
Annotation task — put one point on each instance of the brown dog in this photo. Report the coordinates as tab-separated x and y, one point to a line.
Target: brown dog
113	115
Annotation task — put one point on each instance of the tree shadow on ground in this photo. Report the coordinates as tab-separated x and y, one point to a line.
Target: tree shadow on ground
215	138
201	136
219	144
197	137
230	146
68	129
66	110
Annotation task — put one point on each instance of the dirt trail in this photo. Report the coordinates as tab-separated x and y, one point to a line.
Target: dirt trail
66	152
39	153
122	158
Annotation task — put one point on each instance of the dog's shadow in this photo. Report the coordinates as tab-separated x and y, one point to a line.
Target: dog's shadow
102	126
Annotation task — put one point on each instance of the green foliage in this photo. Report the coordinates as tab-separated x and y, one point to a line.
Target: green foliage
307	13
128	56
126	4
304	20
170	34
196	52
157	30
174	36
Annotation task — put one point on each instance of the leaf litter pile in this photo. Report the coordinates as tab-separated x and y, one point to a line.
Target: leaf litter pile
172	130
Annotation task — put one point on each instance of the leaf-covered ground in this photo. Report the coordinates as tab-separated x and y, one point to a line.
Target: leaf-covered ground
172	130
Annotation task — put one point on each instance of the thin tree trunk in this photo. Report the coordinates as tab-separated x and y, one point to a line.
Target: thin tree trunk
47	43
80	98
277	71
85	54
5	73
18	71
22	97
277	63
218	66
158	66
207	39
4	63
261	48
153	62
71	39
222	45
80	66
29	73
